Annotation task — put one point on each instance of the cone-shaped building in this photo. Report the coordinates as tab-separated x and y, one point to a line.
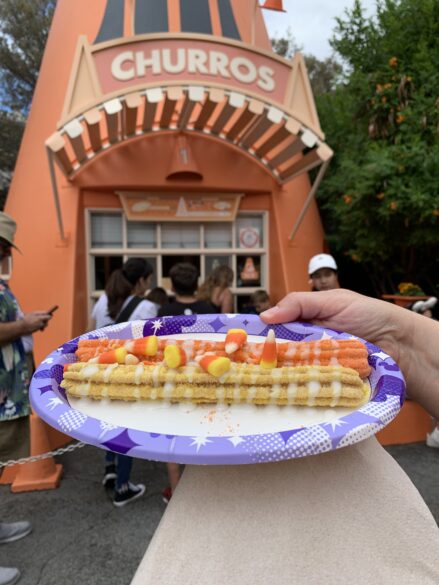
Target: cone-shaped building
166	129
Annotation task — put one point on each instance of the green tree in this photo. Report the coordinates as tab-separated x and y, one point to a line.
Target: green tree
24	26
323	75
380	199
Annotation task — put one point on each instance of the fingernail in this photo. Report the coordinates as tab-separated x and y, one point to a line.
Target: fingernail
270	312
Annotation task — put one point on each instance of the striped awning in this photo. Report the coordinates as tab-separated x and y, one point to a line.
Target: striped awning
273	137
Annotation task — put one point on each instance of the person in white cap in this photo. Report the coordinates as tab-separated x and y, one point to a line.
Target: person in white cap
16	366
322	270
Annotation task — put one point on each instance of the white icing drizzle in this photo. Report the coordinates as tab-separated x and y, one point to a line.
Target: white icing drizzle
304	354
291	392
220	393
153	394
336	390
108	370
136	393
168	389
317	351
190	371
251	393
291	351
104	392
313	388
155	375
188	393
84	389
138	373
333	361
89	371
275	393
276	374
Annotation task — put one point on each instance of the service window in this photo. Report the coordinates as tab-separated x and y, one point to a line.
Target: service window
241	245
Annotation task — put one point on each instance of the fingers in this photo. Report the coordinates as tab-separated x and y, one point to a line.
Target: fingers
294	307
309	306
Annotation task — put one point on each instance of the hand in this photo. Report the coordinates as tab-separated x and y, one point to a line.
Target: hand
343	310
410	339
36	321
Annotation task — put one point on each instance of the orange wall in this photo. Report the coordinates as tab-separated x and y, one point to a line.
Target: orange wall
52	271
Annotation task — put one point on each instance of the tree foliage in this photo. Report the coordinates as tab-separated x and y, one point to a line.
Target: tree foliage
380	200
323	74
24	26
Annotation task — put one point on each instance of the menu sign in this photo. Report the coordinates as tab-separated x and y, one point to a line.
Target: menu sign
180	206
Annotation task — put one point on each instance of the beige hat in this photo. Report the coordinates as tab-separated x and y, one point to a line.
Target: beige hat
8	227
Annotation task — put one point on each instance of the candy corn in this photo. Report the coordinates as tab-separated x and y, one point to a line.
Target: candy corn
214	365
143	346
269	352
174	356
235	339
114	356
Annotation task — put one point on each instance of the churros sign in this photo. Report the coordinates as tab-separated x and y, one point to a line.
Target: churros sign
190	60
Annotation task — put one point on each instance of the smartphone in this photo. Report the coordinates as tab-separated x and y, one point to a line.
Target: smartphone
53	309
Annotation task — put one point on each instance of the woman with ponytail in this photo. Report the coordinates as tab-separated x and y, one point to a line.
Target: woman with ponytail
122	301
125	289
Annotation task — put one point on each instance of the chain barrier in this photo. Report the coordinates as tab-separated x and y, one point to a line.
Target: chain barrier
34	458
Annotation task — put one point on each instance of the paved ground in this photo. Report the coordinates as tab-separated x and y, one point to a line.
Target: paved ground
80	537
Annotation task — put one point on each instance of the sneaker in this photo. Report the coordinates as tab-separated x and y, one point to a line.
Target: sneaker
433	438
9	575
9	532
128	493
167	494
110	476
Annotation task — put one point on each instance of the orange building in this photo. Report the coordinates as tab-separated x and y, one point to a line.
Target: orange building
166	129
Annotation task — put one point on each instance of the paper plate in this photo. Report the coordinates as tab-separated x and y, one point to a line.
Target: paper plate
214	434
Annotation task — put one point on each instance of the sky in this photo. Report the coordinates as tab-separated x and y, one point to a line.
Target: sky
311	22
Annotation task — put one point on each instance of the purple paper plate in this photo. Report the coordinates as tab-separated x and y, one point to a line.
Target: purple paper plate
50	403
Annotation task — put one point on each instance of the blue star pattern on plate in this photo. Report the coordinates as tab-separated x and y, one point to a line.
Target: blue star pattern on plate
49	401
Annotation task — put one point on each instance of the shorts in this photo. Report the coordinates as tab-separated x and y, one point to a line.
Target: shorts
14	438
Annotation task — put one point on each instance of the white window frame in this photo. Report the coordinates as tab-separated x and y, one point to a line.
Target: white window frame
158	251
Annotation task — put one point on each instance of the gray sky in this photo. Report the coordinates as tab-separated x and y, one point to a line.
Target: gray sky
311	22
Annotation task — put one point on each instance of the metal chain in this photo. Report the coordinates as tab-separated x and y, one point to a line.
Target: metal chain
33	458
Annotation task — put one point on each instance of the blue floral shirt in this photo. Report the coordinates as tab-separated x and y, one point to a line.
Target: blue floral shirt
14	374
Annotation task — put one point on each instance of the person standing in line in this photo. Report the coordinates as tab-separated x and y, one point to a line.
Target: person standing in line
215	289
122	301
322	270
16	369
261	301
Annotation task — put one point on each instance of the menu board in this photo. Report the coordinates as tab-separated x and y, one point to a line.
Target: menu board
180	206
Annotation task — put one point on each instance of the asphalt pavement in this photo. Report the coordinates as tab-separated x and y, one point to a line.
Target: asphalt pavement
79	537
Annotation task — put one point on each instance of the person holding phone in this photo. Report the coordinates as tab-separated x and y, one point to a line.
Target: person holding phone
16	369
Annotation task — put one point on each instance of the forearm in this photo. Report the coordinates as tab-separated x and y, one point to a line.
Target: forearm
419	362
12	331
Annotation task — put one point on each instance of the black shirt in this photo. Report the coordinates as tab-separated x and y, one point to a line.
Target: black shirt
177	308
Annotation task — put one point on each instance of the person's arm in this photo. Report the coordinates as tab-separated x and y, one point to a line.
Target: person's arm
410	339
31	322
226	303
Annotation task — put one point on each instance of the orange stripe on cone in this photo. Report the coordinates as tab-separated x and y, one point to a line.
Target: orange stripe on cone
269	352
115	356
235	339
144	346
215	365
